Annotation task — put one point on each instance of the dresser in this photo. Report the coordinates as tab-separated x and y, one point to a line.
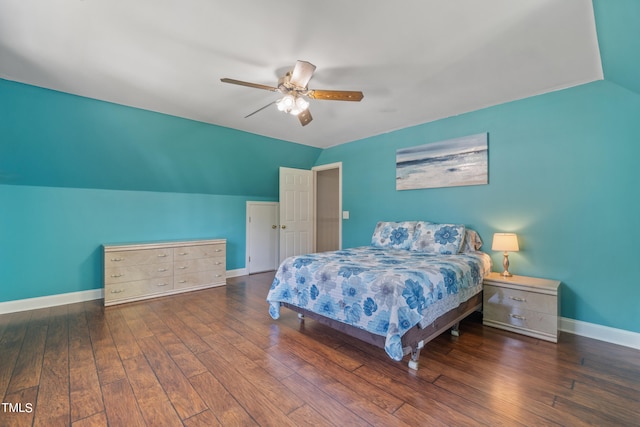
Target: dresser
136	271
526	305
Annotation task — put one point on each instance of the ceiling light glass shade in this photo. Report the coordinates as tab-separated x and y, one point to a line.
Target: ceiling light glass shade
291	104
302	104
286	103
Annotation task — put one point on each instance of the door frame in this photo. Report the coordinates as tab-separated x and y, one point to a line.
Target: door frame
315	169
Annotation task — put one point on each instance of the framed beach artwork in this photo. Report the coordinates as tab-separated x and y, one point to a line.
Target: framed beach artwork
449	163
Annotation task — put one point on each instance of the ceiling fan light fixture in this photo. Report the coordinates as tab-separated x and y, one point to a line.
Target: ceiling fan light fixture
293	87
292	104
286	103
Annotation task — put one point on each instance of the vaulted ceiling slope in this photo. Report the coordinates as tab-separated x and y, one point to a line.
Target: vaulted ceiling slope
416	60
619	41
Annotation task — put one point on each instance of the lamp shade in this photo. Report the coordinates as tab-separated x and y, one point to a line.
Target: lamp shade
507	242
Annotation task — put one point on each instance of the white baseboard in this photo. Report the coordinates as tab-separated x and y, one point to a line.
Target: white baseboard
238	272
602	333
71	297
50	301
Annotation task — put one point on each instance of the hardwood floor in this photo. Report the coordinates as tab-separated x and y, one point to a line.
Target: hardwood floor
215	357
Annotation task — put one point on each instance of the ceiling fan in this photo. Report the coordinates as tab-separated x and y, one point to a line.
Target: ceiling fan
293	86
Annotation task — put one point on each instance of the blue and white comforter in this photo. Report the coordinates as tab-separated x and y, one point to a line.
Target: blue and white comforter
384	291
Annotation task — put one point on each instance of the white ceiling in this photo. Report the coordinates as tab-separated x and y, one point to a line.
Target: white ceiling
415	60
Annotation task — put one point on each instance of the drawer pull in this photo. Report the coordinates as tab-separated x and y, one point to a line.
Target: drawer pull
218	275
163	284
517	316
218	250
218	263
182	281
117	275
117	259
162	269
519	299
183	267
162	255
117	291
183	253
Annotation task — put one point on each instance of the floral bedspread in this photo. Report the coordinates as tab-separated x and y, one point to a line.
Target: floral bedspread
381	290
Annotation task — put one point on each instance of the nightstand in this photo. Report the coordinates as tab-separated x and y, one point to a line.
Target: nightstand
526	305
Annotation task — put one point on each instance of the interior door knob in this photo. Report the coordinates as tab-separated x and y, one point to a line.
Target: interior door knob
283	226
274	226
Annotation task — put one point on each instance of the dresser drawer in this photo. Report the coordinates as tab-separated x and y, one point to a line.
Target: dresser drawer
201	278
137	272
137	257
200	264
520	300
139	288
199	251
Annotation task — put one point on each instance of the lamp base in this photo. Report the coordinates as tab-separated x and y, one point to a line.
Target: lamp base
505	264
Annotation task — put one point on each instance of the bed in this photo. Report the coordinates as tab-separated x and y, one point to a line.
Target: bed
416	280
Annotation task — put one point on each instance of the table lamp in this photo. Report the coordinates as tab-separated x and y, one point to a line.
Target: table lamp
506	242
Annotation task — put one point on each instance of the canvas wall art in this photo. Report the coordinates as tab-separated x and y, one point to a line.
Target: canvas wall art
449	163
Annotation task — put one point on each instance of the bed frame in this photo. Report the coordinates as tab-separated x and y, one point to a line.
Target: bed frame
415	338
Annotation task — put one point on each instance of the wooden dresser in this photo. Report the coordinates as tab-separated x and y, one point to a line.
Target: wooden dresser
136	271
526	305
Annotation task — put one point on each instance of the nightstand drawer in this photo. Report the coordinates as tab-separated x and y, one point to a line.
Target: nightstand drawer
520	300
521	318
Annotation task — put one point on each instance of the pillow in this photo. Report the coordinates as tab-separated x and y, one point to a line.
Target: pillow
444	239
472	241
396	235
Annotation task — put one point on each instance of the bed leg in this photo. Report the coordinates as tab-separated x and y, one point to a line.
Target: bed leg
455	331
415	356
300	317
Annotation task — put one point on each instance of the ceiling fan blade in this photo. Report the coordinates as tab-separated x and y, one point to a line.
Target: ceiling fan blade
260	109
336	95
253	85
302	73
305	117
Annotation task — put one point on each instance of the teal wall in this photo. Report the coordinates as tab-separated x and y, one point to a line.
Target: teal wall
51	236
619	40
562	174
76	173
55	139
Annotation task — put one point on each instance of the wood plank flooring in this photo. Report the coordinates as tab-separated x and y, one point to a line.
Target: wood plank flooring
216	358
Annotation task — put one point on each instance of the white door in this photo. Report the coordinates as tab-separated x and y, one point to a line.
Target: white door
296	212
262	236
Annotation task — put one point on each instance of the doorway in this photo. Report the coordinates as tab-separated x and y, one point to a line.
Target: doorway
328	207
